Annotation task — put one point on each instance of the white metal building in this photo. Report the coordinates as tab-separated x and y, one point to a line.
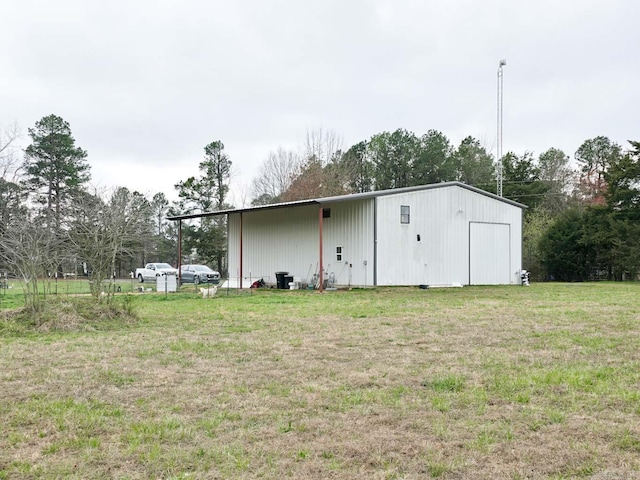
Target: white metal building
436	235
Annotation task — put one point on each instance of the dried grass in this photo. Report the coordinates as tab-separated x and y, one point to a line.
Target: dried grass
474	383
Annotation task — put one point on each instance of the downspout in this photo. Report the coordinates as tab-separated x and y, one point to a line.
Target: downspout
320	252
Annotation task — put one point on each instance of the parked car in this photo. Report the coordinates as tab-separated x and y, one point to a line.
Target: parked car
153	270
198	274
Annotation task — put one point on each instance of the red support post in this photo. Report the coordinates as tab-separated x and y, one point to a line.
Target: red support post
320	230
240	279
179	252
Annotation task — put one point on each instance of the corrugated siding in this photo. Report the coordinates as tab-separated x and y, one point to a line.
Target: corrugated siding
287	239
351	227
274	240
442	218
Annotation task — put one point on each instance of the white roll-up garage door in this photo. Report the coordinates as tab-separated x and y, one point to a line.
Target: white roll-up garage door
489	253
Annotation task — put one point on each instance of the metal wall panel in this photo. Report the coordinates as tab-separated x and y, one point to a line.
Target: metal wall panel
351	226
287	239
432	249
274	240
441	217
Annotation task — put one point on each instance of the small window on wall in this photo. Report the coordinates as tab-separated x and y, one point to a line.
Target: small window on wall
404	214
326	213
338	254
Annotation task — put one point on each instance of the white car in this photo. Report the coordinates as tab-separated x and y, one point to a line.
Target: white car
153	270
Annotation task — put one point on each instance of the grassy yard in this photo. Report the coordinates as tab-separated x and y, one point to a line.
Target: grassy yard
471	383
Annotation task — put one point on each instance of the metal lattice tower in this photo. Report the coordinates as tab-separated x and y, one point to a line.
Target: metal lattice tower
499	139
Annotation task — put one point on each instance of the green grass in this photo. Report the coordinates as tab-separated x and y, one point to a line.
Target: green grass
479	382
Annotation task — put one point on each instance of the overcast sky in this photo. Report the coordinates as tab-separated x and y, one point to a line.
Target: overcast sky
145	85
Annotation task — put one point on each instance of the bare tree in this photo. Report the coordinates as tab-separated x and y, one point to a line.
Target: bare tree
240	195
12	193
159	206
316	171
30	251
9	164
555	170
275	176
323	146
8	137
104	229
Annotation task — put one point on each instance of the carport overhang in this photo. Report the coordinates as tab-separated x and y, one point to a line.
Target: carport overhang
241	211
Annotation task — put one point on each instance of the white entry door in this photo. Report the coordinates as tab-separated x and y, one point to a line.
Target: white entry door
489	254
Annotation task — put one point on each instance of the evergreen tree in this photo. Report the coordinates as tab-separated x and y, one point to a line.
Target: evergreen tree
474	165
594	157
392	155
521	180
602	241
433	162
623	182
565	255
56	169
207	193
357	167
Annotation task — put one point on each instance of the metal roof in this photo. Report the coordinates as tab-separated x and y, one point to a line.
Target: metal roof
350	197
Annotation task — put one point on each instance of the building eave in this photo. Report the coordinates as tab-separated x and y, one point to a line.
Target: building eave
349	198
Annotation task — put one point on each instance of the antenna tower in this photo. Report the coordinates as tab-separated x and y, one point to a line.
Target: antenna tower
499	142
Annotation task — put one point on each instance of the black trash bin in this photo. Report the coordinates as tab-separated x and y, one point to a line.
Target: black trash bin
287	281
280	280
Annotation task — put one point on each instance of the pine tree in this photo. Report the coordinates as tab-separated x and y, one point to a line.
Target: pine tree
56	169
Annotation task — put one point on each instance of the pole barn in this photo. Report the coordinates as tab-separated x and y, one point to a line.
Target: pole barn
444	234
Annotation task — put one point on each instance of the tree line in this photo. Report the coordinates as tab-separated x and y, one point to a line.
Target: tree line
52	223
580	223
